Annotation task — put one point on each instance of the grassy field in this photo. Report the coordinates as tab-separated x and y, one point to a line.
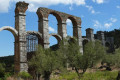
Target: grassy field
99	75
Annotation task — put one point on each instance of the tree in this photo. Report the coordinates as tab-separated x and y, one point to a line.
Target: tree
71	52
45	62
2	70
113	60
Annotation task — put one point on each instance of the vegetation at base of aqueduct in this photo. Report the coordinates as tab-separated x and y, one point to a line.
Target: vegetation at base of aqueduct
69	54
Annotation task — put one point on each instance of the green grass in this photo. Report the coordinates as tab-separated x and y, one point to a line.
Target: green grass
104	75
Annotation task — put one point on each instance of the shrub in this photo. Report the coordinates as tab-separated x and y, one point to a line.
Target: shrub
24	75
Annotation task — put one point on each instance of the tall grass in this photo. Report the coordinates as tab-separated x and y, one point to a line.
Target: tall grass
99	75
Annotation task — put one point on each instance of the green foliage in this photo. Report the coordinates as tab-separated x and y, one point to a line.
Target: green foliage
115	35
3	74
105	75
109	59
112	59
24	75
45	61
9	63
94	51
116	60
2	70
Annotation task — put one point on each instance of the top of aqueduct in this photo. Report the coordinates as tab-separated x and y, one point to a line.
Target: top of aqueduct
44	13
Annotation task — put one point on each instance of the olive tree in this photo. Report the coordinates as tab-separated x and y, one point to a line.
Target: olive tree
92	54
45	61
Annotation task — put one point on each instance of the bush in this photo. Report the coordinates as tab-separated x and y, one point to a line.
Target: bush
24	75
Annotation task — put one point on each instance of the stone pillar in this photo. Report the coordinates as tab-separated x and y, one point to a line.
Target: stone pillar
20	42
62	31
100	36
89	34
78	34
43	28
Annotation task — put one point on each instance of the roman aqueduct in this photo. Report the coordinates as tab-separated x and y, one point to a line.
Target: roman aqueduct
25	41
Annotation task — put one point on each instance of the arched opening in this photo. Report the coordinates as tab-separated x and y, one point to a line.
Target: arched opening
35	37
7	50
71	27
54	20
32	42
54	42
53	23
84	42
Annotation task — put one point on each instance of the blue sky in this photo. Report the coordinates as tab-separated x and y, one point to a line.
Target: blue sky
97	14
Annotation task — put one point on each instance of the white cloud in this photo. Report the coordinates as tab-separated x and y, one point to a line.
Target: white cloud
108	25
97	24
105	25
99	1
4	5
52	29
91	9
34	4
113	19
71	8
118	6
69	23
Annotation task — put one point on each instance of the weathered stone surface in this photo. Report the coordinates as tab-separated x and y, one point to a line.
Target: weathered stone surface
43	35
100	36
20	42
61	17
90	34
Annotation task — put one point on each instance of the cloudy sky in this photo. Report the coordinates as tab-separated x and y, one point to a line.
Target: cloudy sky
97	14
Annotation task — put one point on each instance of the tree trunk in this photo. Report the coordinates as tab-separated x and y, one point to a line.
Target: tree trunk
77	73
118	77
39	75
47	75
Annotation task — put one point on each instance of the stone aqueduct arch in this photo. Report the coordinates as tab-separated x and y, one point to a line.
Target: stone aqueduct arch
61	17
20	32
11	29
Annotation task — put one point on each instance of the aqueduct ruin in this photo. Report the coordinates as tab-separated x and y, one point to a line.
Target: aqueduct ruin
25	41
